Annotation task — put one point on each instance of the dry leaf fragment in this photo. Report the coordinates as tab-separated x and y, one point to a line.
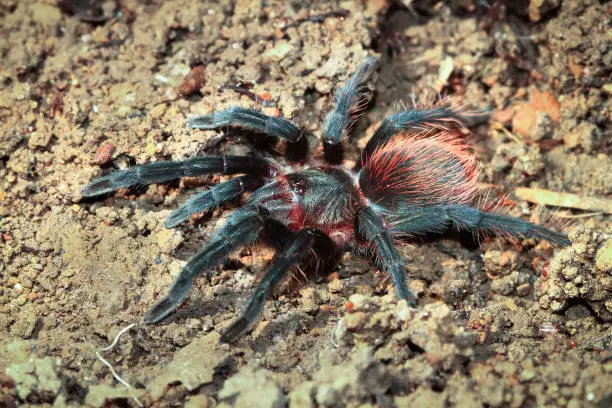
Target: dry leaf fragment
546	102
567	200
526	114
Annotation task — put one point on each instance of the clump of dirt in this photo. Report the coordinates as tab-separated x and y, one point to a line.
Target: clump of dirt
400	333
389	344
581	272
359	380
36	380
577	44
252	387
91	86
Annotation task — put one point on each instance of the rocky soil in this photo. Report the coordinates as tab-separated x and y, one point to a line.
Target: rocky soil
87	86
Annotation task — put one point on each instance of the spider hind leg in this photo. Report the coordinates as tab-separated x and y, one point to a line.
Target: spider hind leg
349	99
512	227
422	220
412	119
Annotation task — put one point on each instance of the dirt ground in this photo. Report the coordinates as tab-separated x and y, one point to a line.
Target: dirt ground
88	86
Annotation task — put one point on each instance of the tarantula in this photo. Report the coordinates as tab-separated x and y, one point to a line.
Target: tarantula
415	176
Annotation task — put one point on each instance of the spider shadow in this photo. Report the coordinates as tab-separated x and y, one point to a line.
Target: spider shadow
198	307
464	244
259	142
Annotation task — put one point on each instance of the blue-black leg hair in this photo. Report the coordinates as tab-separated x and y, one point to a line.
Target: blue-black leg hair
213	197
243	228
371	228
296	246
348	98
413	119
248	119
436	219
160	172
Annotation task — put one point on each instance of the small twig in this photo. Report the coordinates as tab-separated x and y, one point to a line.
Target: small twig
318	18
244	88
502	128
110	367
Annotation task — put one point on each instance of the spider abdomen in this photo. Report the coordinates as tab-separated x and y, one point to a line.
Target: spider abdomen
418	170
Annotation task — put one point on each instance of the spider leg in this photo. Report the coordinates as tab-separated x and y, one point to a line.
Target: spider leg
414	119
216	195
249	119
297	246
164	171
372	229
242	228
297	145
418	221
348	99
437	219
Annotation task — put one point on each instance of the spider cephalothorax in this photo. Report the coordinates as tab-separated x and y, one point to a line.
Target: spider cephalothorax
415	176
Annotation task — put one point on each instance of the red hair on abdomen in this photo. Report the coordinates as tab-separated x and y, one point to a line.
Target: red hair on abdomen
415	169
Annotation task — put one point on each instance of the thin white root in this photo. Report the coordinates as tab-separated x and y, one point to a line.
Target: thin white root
110	367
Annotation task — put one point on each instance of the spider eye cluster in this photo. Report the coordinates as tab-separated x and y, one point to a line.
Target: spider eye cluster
299	187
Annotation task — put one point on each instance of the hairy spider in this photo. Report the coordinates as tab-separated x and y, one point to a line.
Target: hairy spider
414	177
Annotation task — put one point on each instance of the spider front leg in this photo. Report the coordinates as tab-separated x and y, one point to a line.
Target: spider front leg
297	246
160	172
242	228
371	228
297	145
248	119
415	221
349	100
